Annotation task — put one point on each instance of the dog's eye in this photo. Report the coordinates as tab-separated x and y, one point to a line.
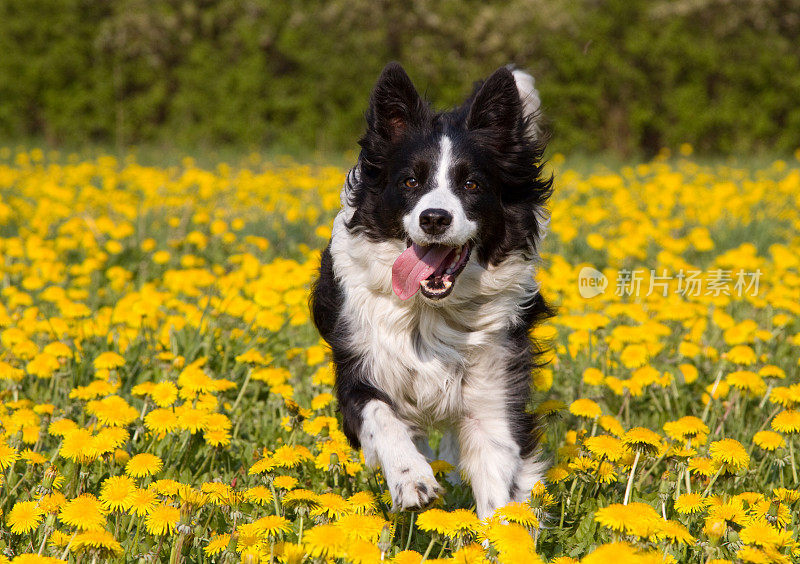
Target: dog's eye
411	182
470	185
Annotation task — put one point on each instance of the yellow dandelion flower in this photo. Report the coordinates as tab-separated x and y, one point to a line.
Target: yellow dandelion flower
272	526
689	372
768	440
108	361
362	502
192	420
217	544
675	533
142	501
8	455
51	503
331	506
253	356
161	421
550	408
521	513
24	517
324	541
641	439
85	513
732	512
741	354
746	381
115	493
610	424
32	457
702	466
441	467
60	427
217	438
585	408
300	498
513	542
731	453
690	503
761	533
772	371
284	482
261	495
615	552
714	527
143	464
558	473
164	394
290	456
787	421
686	427
407	557
450	524
162	519
112	410
605	446
753	555
100	541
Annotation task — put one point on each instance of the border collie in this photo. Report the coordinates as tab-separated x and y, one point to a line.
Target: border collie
426	292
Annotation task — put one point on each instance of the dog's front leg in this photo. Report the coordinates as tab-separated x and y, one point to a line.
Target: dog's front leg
387	440
490	457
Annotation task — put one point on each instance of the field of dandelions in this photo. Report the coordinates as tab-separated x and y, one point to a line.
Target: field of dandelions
165	397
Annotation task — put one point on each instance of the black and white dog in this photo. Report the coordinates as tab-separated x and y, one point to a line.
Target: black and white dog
426	291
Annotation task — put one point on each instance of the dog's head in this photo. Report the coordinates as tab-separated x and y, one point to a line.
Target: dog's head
455	186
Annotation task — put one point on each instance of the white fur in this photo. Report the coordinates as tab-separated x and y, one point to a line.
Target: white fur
531	103
462	229
439	363
387	440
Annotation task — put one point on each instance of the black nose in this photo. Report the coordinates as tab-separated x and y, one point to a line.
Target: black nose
435	221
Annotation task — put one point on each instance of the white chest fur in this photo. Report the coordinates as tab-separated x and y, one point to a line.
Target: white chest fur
416	351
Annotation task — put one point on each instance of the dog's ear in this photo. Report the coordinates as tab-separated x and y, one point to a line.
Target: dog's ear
496	107
395	106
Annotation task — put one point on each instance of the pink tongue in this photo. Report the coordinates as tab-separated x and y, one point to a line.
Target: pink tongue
415	265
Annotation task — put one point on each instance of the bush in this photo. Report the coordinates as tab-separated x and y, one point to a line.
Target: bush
628	76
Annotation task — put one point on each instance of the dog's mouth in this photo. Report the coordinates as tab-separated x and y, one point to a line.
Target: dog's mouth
431	269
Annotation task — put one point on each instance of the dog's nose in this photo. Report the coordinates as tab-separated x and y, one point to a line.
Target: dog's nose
435	221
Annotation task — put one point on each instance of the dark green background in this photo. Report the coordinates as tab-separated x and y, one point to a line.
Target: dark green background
623	76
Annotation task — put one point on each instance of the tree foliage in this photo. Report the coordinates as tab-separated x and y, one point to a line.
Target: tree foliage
629	76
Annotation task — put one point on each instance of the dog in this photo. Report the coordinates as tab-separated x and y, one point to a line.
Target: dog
426	292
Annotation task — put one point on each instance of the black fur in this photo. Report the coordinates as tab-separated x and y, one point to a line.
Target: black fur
352	389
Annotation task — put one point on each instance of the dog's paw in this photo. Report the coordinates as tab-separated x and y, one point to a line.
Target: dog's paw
412	489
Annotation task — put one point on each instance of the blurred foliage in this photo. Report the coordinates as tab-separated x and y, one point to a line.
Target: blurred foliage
628	76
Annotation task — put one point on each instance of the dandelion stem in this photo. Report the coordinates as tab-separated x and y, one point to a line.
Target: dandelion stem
711	394
641	480
47	532
630	478
410	529
69	544
713	479
275	499
241	392
791	459
428	550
